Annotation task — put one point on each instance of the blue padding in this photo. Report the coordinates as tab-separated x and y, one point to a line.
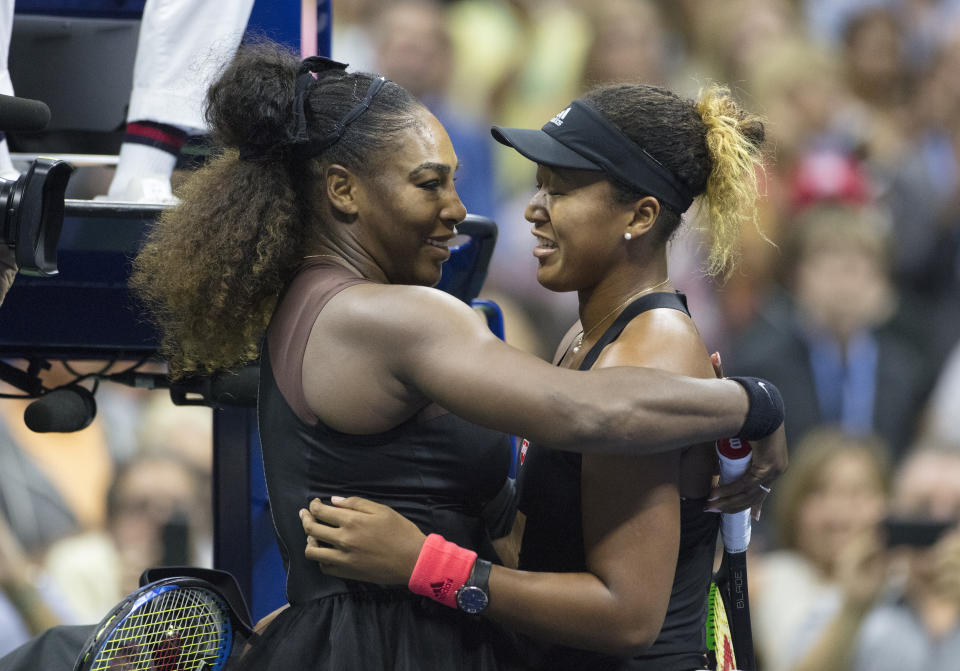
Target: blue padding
466	270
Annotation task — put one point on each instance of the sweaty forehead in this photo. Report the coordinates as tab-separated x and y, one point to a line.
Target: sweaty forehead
423	146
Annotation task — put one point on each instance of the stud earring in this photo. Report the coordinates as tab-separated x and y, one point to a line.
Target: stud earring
627	236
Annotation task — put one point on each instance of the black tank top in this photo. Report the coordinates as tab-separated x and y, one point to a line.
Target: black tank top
549	481
436	469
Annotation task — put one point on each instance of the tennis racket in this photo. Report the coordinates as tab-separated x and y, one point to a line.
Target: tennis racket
731	578
175	624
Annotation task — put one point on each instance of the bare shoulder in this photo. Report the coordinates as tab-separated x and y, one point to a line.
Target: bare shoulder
384	310
661	338
369	337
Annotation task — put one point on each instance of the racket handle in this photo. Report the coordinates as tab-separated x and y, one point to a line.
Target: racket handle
734	455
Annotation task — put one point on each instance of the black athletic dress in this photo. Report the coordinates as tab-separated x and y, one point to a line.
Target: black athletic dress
436	469
549	486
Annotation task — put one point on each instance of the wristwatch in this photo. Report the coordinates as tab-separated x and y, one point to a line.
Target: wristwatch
474	596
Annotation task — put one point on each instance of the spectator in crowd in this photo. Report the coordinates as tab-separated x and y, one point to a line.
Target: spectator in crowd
413	48
54	484
923	195
351	38
832	340
157	516
873	59
898	607
629	43
26	600
827	512
725	38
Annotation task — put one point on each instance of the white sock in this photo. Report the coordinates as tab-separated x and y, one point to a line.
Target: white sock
140	161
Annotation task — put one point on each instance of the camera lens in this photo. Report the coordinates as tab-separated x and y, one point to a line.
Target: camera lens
31	208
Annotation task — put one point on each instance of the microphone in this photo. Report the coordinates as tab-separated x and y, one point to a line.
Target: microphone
62	410
23	114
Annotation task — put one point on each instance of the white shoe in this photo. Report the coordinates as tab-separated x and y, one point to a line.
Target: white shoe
153	190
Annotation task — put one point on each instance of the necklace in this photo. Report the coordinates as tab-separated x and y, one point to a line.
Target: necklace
584	334
317	256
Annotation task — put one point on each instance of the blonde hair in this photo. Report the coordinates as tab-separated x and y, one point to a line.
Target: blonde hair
733	185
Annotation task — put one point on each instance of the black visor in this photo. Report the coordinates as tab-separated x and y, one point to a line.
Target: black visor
581	138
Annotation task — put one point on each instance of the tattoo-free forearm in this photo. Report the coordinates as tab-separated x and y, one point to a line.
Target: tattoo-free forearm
647	411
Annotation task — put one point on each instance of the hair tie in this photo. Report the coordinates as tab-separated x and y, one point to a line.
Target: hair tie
305	82
310	148
298	143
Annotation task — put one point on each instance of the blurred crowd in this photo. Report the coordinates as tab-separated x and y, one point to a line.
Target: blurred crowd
83	514
847	297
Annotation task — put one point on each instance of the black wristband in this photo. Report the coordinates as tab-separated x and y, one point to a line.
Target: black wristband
766	408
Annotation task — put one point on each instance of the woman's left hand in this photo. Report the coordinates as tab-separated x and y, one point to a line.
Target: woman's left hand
769	460
358	539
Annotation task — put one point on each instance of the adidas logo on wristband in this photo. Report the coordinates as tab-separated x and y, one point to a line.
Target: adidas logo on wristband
441	589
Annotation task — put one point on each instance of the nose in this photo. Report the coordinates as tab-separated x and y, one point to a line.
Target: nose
536	210
454	211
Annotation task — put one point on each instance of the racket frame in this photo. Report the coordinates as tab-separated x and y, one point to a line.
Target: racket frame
135	601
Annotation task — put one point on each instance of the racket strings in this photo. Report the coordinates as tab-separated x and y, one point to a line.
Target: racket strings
175	631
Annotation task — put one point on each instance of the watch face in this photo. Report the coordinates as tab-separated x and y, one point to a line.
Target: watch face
472	599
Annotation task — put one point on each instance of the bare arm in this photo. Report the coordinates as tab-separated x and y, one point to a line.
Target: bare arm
428	345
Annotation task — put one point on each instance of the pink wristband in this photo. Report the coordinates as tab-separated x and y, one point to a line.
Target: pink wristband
442	568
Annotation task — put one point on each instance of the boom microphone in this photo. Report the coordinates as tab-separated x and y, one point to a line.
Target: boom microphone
23	114
62	410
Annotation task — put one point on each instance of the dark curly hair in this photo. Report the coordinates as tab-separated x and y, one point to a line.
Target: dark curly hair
212	268
712	145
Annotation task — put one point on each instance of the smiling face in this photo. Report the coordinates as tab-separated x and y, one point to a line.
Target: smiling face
578	227
848	499
410	206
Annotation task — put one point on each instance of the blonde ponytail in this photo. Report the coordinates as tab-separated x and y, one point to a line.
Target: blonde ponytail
733	141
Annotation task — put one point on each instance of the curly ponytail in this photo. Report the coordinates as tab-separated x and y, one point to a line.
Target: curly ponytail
733	139
212	268
712	146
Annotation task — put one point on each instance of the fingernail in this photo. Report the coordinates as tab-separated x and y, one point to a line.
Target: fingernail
713	498
337	499
301	513
756	517
712	510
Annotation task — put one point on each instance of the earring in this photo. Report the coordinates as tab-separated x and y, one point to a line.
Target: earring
627	236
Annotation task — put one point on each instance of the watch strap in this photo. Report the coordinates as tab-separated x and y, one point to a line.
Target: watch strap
480	575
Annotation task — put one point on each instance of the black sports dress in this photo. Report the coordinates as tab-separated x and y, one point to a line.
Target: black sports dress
549	486
436	469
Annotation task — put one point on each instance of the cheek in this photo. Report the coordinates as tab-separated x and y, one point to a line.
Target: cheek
810	521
